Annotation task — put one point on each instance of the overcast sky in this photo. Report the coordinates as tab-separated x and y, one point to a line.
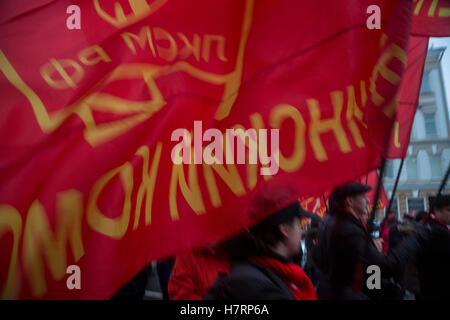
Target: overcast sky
445	63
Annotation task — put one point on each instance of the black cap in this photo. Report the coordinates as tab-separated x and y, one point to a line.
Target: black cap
350	189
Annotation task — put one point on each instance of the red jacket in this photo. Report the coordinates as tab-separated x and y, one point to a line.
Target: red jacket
385	236
195	272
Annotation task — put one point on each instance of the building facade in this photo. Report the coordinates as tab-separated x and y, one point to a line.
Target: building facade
428	154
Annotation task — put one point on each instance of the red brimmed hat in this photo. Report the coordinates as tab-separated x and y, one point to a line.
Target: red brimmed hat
275	202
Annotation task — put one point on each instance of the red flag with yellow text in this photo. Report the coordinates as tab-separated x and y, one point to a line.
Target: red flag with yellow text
87	176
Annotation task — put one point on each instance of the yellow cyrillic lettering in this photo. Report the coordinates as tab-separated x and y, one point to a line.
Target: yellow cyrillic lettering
381	68
192	195
171	51
396	135
10	220
444	12
38	237
305	203
144	37
432	8
418	7
140	8
207	39
280	113
318	126
85	55
111	227
148	184
67	81
353	110
230	177
190	48
258	123
229	154
243	136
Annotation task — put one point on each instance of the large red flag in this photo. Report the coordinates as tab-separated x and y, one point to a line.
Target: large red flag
90	117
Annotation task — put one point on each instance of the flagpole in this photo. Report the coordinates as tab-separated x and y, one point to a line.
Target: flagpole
444	181
325	201
395	186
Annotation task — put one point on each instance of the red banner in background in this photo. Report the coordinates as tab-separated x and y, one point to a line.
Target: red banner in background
316	205
372	180
431	18
88	116
319	204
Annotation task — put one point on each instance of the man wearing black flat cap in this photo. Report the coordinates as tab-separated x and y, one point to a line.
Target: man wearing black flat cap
345	250
341	242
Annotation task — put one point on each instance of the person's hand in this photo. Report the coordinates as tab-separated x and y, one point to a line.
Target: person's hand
379	244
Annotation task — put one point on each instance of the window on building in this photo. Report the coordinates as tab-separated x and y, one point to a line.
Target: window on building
411	168
425	87
436	167
415	205
430	125
389	170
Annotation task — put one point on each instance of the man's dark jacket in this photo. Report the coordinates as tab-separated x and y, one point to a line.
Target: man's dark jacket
345	250
433	262
249	281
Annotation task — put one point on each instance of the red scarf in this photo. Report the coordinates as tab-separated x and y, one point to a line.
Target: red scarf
360	220
292	275
433	217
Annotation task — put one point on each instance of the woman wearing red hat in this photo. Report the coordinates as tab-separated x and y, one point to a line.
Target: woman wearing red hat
263	267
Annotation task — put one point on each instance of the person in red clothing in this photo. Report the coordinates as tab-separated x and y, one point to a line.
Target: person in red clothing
195	272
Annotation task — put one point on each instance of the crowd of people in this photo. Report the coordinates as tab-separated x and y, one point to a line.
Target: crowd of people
265	261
